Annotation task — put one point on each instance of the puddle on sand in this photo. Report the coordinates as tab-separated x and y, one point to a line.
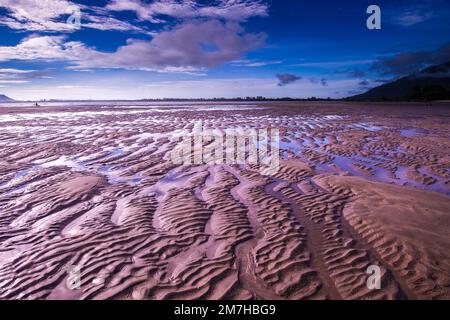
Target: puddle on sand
176	178
400	177
366	126
112	174
64	161
412	132
439	186
17	176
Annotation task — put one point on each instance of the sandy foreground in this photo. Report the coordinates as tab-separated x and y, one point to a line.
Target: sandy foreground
94	187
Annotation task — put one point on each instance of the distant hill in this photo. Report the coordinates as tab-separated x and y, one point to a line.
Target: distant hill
4	98
432	83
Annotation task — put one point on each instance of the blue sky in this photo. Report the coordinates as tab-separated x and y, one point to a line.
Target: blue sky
134	49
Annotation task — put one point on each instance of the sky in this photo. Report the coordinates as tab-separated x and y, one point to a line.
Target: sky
137	49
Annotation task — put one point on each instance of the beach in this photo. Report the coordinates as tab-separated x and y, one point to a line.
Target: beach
351	186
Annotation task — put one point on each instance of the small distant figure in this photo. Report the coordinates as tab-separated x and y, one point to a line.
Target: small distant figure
36	104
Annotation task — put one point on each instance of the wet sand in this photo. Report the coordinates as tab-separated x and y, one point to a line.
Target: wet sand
95	187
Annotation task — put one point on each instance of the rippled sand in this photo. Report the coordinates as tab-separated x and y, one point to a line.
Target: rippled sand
95	187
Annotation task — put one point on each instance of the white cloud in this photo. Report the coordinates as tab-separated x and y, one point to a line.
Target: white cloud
72	87
412	14
19	76
10	70
332	64
224	9
410	18
254	63
46	48
189	47
51	15
13	81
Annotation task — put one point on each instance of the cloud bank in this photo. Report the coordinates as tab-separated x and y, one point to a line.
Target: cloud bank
188	47
51	15
236	10
410	62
